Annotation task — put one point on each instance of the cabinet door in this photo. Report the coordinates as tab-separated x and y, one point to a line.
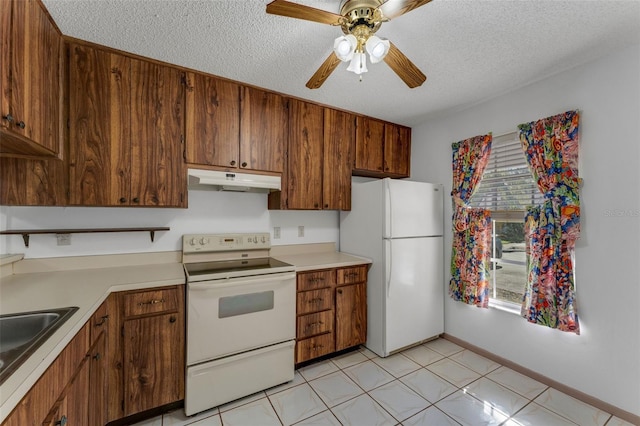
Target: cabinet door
213	121
32	95
33	182
158	175
99	113
351	315
339	135
304	165
75	404
97	387
369	145
153	362
397	150
263	130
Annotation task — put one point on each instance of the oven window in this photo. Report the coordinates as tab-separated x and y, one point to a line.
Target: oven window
245	304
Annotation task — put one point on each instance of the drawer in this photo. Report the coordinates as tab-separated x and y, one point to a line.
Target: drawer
311	324
314	347
151	301
315	279
356	274
314	301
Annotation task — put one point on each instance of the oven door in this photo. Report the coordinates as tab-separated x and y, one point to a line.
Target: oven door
233	315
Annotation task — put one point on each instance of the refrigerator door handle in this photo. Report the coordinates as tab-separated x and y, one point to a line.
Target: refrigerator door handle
388	267
389	208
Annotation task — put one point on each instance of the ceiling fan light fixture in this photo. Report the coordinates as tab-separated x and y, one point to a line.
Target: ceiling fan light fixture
345	46
377	48
358	63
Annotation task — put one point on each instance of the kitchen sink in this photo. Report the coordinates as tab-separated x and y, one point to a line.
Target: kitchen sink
21	334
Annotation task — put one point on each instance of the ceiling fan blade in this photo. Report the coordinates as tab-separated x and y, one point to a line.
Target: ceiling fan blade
405	69
300	11
323	72
394	8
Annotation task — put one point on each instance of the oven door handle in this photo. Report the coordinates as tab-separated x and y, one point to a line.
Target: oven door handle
232	282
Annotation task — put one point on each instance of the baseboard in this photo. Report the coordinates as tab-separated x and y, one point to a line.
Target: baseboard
587	399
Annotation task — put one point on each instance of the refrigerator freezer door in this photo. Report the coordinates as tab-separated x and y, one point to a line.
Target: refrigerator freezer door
412	209
414	287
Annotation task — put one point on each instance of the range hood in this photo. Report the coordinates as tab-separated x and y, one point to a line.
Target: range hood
232	181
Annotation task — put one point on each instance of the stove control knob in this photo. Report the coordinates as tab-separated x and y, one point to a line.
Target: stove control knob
192	242
204	241
255	240
264	240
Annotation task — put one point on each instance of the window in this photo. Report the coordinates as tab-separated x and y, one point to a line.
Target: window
507	188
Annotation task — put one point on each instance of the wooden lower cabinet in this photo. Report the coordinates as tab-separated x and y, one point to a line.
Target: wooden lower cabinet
147	363
128	358
331	311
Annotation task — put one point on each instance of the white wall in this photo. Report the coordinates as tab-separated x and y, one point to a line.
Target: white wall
604	361
208	212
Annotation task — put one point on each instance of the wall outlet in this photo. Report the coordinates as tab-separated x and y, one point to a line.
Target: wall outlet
64	239
300	231
276	232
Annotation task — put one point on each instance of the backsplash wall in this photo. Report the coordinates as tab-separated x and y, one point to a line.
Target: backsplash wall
208	212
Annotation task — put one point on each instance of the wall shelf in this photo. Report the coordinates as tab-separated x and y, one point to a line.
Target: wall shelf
26	232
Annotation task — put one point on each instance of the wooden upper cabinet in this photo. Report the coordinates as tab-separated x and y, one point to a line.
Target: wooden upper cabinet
339	133
397	149
31	81
305	156
212	121
158	174
99	113
126	124
369	145
263	130
382	149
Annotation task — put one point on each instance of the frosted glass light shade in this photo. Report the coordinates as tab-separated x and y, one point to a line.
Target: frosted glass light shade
377	48
358	64
345	46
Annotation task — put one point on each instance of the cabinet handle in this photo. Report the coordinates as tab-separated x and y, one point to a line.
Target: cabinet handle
233	162
102	321
316	205
136	200
62	421
21	124
351	275
326	206
172	320
97	356
151	302
316	300
123	200
317	347
244	164
340	291
8	117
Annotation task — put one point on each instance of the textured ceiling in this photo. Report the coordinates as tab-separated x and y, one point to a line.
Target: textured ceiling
470	50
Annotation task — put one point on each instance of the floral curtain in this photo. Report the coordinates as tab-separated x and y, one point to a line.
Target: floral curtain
551	230
471	248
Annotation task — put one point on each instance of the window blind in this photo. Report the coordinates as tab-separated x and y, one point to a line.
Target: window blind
507	187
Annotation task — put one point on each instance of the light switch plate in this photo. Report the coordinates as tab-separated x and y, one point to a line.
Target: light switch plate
300	231
276	232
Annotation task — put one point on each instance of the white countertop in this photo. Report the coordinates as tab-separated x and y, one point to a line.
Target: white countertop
85	282
84	288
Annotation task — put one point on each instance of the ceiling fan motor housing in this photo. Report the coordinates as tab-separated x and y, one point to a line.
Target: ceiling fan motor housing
362	17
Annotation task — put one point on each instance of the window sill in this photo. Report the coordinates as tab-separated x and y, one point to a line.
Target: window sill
512	308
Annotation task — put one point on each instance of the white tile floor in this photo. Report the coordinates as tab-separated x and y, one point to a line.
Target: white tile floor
438	383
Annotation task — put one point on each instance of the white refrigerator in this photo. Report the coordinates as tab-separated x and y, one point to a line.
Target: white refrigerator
399	226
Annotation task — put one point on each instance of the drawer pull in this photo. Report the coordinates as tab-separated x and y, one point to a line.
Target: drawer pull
316	279
151	302
316	300
102	320
314	324
317	347
351	275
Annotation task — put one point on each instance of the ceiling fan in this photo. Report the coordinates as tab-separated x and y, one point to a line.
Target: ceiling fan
359	19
